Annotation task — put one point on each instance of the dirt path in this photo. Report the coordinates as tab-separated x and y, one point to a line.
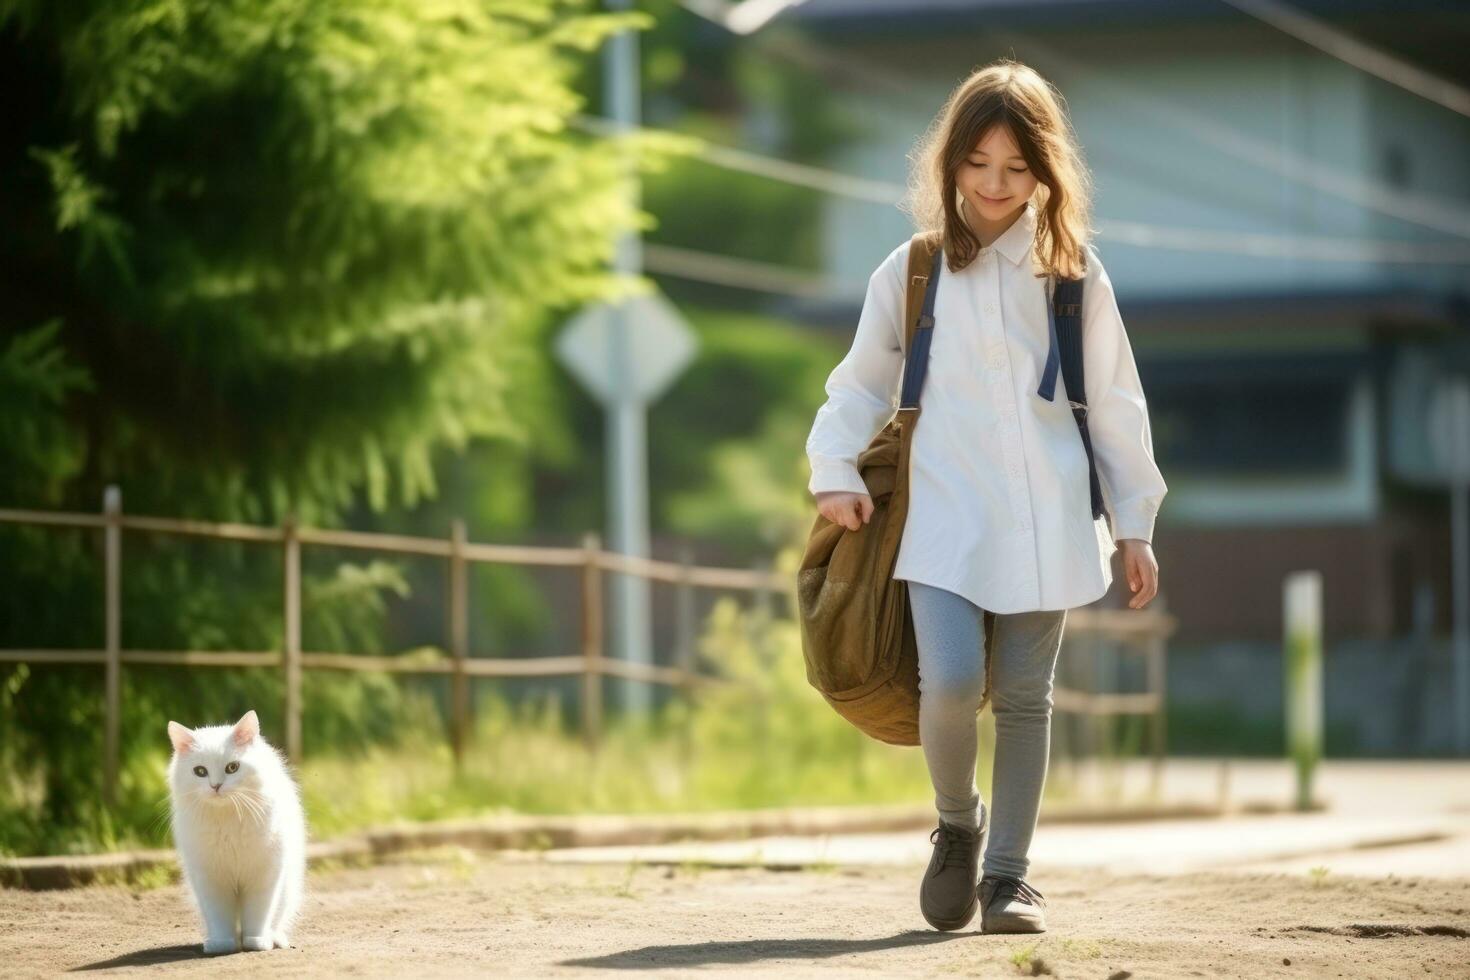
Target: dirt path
457	914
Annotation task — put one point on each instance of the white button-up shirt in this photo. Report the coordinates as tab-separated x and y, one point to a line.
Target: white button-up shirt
999	504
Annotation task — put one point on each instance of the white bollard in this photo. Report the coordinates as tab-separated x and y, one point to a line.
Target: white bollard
1302	600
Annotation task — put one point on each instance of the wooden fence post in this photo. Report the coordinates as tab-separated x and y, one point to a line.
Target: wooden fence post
291	640
591	640
1110	762
1089	730
459	641
112	602
684	639
1158	683
764	610
758	630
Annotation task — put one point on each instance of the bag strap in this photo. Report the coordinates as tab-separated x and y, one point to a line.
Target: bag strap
1064	316
926	257
1064	319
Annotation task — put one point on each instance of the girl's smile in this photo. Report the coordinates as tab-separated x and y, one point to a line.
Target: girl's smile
995	182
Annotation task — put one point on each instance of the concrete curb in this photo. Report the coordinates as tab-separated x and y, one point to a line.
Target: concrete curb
516	831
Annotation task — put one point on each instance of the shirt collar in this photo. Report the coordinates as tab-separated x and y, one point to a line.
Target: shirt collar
1018	238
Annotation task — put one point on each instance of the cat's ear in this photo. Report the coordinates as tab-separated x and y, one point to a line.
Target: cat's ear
247	729
182	738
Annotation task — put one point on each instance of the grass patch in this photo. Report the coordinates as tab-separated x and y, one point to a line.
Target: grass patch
769	741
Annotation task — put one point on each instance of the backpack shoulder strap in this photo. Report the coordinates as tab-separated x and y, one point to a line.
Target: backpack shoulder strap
1067	310
926	258
1064	311
921	260
1064	318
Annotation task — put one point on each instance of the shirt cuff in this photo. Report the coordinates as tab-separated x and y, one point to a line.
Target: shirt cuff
1135	519
836	475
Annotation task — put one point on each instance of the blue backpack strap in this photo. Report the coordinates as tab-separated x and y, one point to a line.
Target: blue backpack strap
1048	387
916	363
1064	322
1064	317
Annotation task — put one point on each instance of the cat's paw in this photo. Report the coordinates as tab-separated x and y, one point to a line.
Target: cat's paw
214	947
258	944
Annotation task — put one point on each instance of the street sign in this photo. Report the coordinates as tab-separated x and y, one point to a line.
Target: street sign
659	347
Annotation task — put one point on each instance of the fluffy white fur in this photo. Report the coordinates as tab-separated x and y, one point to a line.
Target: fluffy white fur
240	832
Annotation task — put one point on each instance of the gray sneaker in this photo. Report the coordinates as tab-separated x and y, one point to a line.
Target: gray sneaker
947	896
1010	905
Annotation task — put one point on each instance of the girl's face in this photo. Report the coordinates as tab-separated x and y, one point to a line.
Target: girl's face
994	178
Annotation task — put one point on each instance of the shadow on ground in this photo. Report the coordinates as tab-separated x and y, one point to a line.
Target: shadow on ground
156	956
757	950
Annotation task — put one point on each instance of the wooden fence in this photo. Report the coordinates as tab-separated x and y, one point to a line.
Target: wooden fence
1144	631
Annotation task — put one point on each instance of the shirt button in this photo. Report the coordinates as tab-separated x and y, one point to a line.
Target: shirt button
990	309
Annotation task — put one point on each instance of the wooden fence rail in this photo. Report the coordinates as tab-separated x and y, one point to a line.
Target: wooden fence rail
1146	630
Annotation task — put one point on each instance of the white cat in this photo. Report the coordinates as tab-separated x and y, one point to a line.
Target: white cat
240	832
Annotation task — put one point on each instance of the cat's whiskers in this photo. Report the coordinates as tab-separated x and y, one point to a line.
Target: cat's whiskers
253	802
254	796
163	814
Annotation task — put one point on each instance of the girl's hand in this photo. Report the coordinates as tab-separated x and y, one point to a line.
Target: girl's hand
1142	570
851	510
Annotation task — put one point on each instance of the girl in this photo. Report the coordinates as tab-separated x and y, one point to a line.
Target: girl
1000	515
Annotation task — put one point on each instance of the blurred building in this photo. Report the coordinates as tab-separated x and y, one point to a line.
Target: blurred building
1289	237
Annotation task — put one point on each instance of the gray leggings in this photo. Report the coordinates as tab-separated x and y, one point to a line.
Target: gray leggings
949	630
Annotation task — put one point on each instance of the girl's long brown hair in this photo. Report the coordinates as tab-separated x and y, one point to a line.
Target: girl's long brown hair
1011	94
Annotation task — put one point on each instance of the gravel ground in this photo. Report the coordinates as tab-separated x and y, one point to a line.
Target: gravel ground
454	913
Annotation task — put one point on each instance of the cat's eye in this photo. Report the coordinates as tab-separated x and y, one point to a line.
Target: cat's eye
232	767
201	771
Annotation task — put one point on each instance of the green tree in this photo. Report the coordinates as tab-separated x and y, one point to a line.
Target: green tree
266	256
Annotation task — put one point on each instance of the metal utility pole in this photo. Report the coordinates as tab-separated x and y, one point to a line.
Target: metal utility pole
626	354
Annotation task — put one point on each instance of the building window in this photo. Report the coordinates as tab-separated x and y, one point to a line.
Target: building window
1251	426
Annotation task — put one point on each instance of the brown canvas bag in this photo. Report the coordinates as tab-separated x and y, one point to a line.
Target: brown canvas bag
857	634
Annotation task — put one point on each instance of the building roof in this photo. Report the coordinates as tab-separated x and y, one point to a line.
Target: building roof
1428	33
834	11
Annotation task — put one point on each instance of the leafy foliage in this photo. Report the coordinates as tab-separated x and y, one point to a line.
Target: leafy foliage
266	256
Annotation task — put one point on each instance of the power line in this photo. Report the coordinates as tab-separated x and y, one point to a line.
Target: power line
1311	248
764	277
816	178
1320	248
1349	50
